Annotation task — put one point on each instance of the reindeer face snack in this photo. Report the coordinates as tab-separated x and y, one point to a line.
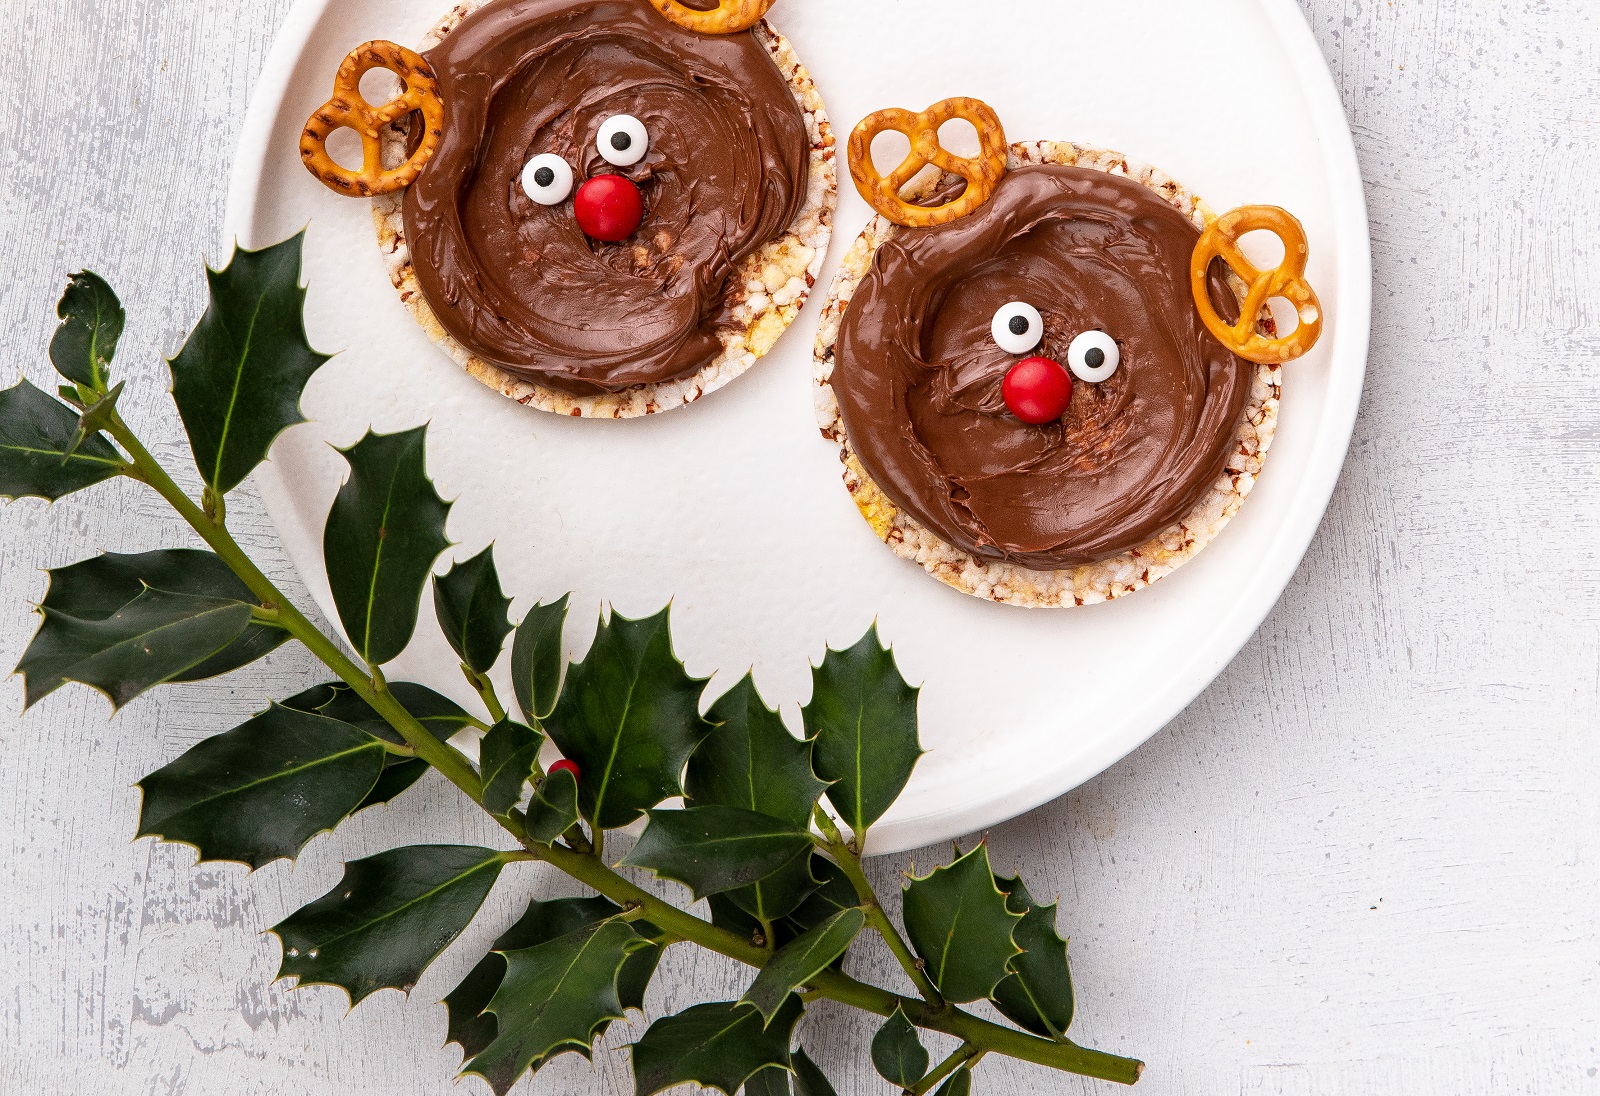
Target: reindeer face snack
598	208
1049	370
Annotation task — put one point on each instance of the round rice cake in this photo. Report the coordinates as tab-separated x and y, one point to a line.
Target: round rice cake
765	294
1009	583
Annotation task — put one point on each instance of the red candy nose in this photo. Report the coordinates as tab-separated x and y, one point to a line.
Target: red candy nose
1037	390
609	208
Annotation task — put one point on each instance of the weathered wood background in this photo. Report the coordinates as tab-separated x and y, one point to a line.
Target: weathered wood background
1365	861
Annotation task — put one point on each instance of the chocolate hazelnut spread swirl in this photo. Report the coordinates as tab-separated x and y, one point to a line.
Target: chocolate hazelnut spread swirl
918	374
518	282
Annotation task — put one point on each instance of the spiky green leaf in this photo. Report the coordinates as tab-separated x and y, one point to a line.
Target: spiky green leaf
772	1081
475	1029
958	1084
537	659
388	918
1038	994
808	1079
508	756
752	761
897	1054
384	532
238	379
719	1045
259	792
472	610
553	810
629	717
715	849
800	960
958	922
863	716
41	455
157	637
834	893
91	323
442	717
99	587
555	997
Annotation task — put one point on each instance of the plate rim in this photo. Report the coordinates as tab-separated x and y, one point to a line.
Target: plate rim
1297	528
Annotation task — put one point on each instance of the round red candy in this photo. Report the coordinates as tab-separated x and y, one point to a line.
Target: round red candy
1037	390
609	208
567	766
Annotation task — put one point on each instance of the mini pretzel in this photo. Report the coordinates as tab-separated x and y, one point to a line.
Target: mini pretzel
1221	240
728	17
982	174
348	110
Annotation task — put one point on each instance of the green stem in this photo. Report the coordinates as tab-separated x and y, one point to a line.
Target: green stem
966	1053
847	859
442	757
987	1037
486	692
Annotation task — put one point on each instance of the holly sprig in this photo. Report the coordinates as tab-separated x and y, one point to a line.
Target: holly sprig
771	828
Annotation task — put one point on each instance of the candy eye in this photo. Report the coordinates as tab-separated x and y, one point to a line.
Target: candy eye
623	140
1018	327
1093	357
547	179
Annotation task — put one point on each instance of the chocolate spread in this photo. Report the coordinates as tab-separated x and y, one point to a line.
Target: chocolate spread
518	283
918	374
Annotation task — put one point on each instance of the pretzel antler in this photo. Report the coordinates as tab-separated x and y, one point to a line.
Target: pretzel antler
1287	280
348	110
982	173
728	17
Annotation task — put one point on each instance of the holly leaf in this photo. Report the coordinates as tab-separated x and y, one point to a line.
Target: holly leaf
725	914
959	1083
629	716
554	807
863	717
715	849
40	453
507	758
537	659
389	917
808	1079
897	1054
772	1081
259	792
475	1029
238	379
384	532
751	761
834	893
93	420
472	610
800	960
1038	994
555	997
958	922
442	717
157	637
719	1045
99	587
91	323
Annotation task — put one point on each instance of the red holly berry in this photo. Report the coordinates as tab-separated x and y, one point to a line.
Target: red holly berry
1037	390
609	208
567	766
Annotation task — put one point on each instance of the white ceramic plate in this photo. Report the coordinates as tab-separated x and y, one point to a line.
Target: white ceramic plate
734	507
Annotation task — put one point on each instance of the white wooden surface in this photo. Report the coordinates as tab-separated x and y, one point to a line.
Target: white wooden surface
1365	861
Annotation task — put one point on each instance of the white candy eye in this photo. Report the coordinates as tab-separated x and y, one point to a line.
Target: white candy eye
623	140
547	179
1093	357
1018	327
